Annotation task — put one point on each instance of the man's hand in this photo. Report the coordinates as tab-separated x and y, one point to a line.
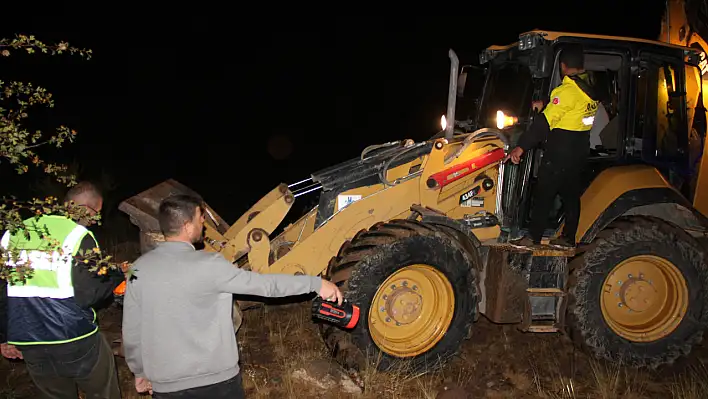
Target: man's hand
515	155
10	351
142	385
124	267
537	105
331	292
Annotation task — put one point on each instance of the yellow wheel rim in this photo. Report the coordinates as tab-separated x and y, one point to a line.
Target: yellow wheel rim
644	298
411	311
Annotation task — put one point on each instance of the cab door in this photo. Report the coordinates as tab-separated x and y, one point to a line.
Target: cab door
609	63
659	133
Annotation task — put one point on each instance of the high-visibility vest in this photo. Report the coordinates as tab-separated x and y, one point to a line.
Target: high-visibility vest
571	107
43	309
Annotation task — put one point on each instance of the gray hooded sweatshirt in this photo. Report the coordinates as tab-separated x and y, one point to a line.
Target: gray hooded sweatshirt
177	326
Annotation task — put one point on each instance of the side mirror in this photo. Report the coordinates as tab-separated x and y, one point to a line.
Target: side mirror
461	82
541	63
474	77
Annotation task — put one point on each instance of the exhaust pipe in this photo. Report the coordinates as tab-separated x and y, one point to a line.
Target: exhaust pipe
452	95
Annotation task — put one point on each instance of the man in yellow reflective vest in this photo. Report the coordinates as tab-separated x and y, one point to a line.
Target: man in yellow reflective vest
564	125
51	318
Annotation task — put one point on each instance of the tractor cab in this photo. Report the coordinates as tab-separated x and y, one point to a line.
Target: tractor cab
644	117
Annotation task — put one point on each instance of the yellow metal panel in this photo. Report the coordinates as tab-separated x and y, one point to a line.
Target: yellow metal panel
265	202
700	197
447	200
391	175
609	185
364	191
271	213
433	164
259	250
312	255
299	230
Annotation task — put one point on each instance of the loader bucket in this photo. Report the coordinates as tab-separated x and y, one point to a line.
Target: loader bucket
143	210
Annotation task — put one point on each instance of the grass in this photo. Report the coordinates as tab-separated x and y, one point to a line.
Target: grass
515	366
15	383
282	356
691	385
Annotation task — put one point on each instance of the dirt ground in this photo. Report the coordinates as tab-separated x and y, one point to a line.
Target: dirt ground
281	347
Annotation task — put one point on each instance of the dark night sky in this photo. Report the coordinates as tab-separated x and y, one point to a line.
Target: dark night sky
197	98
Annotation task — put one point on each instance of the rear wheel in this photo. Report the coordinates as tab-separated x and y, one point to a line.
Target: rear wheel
638	295
416	289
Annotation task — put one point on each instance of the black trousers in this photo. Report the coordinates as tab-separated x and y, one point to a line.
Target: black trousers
229	389
557	176
58	369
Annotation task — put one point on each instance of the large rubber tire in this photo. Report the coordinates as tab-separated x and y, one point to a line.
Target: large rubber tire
622	239
374	255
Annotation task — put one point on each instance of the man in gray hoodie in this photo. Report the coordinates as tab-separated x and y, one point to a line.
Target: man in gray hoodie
178	334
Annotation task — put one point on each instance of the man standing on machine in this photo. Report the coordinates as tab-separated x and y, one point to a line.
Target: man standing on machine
565	127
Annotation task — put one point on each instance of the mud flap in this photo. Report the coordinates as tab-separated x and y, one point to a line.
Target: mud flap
143	210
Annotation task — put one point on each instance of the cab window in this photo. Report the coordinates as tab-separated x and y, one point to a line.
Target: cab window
660	133
509	89
605	70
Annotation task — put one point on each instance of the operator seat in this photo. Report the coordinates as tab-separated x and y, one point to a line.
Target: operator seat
599	123
610	133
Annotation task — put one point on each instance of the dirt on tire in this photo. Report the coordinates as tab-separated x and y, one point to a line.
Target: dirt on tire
373	255
622	239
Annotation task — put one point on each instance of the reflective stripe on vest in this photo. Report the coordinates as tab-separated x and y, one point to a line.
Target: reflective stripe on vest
51	272
43	309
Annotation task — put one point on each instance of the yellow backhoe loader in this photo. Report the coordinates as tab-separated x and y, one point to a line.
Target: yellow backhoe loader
418	234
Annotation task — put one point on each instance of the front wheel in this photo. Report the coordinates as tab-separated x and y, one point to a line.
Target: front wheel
417	295
639	295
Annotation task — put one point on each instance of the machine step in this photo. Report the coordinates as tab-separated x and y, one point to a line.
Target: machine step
543	310
538	275
542	328
537	250
545	292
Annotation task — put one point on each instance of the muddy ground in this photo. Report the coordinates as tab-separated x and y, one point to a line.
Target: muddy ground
283	357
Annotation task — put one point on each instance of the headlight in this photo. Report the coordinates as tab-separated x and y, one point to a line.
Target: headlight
443	122
505	120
